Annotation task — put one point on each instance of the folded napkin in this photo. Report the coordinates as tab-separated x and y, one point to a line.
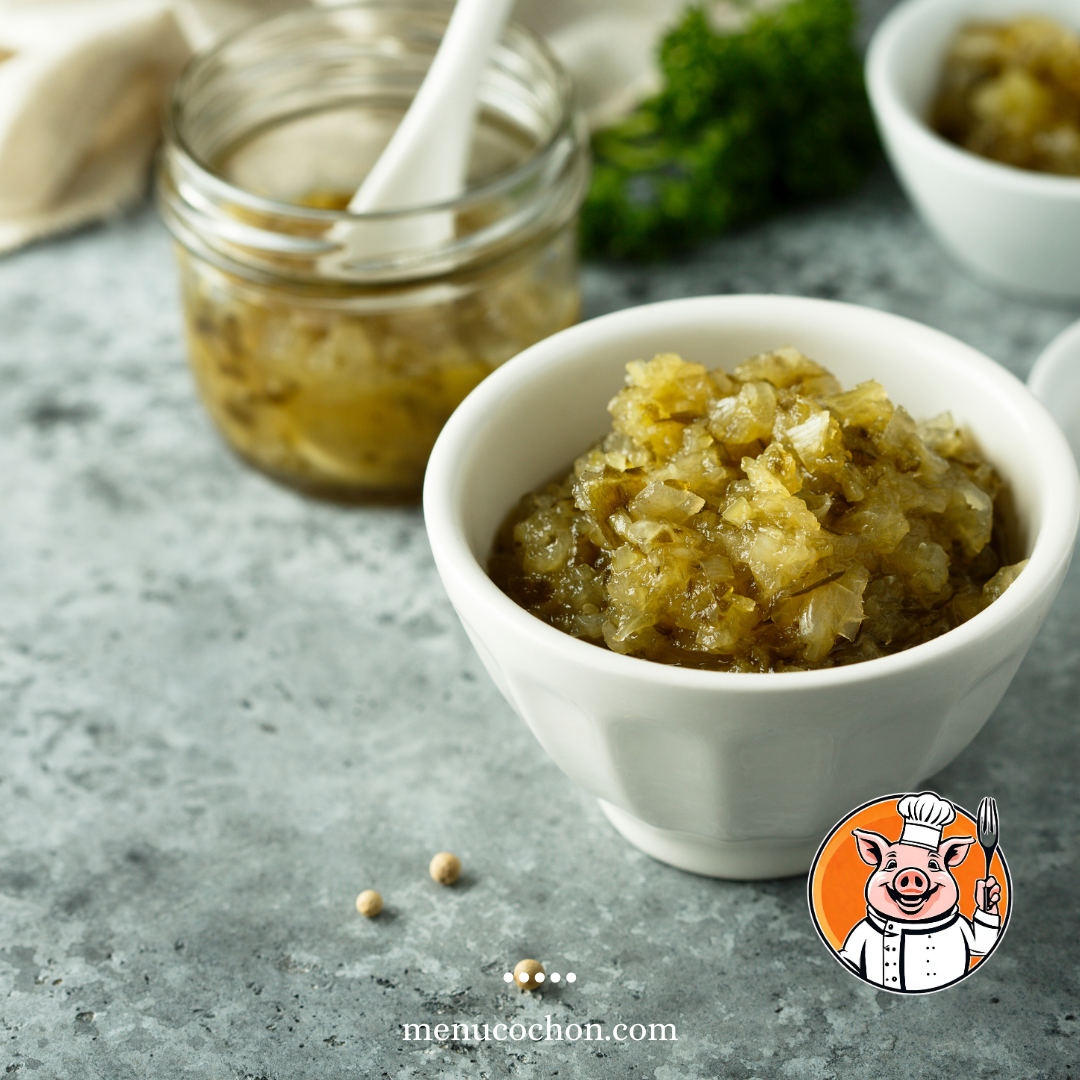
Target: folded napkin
83	83
608	45
81	87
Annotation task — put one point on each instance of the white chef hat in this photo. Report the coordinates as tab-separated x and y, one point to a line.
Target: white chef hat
925	815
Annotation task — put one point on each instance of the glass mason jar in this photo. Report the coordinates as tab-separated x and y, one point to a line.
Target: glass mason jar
326	361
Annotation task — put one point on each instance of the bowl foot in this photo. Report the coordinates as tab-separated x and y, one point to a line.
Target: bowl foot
740	860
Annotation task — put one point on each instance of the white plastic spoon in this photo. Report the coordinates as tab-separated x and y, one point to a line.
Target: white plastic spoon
425	162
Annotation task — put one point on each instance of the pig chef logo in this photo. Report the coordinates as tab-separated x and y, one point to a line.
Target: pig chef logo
924	914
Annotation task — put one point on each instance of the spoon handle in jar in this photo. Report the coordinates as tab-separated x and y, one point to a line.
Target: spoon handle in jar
426	160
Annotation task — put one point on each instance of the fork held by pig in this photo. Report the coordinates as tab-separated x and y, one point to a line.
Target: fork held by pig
914	938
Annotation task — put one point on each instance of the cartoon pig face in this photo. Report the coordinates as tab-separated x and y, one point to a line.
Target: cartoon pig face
911	882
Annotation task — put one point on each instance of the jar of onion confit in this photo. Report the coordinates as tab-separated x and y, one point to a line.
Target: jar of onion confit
331	363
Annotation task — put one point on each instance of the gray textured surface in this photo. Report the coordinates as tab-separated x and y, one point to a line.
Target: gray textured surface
224	710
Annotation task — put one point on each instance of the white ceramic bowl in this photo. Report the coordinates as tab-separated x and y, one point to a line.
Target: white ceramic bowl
1016	229
1055	381
740	775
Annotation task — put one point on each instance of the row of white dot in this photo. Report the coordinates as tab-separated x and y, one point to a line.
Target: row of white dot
539	977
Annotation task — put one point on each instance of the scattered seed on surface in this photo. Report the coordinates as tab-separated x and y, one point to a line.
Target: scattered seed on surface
529	974
445	868
369	903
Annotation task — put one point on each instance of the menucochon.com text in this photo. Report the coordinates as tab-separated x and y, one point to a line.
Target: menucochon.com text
590	1031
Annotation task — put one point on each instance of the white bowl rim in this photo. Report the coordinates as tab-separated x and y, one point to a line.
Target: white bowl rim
901	21
1063	351
444	494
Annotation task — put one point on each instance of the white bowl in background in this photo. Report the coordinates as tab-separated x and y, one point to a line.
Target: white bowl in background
740	775
1055	381
1016	229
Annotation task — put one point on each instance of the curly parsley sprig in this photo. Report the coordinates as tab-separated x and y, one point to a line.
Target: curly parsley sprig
745	125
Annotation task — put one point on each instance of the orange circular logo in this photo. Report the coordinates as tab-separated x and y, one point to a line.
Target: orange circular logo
910	892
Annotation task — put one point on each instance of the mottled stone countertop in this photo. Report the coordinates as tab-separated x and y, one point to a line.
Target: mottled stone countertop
225	709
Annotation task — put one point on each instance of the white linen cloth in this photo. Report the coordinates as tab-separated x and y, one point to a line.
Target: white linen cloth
83	82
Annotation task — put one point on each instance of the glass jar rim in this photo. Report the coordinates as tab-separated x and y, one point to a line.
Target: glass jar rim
490	188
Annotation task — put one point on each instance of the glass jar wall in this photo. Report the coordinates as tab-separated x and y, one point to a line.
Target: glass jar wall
325	359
